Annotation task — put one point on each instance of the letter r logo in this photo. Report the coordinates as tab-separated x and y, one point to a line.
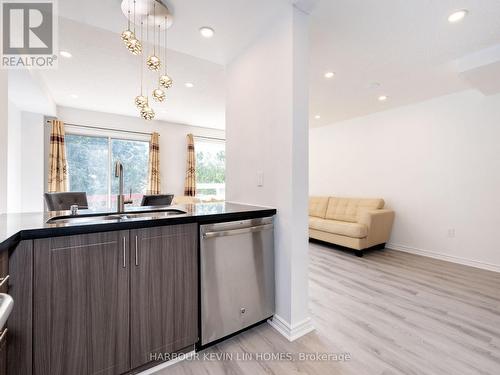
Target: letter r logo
27	28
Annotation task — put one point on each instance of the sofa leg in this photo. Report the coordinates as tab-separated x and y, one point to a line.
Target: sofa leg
359	253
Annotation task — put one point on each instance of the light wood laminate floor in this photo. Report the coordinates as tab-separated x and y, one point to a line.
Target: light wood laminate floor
395	313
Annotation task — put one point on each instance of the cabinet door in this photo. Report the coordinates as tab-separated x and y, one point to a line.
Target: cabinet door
81	299
4	271
164	291
20	323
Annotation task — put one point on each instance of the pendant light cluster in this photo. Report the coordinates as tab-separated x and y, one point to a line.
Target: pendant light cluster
152	61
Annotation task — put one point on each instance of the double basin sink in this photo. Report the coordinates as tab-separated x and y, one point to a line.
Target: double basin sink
124	216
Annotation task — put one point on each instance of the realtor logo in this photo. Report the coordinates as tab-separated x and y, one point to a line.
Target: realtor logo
28	34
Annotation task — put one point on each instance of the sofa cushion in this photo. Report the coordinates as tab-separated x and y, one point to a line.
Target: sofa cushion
317	206
348	209
342	228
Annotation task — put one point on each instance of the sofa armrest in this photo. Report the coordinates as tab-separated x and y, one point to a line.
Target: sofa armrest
379	223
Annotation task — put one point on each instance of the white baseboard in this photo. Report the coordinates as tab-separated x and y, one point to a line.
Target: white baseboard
290	332
154	370
448	258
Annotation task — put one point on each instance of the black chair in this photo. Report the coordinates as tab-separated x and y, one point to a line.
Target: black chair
157	200
63	201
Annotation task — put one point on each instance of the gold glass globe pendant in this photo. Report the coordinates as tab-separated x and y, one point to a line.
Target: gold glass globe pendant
165	81
141	101
134	46
128	36
154	63
147	113
159	95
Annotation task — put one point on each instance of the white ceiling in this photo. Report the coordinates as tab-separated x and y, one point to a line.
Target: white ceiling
407	46
28	92
106	78
236	22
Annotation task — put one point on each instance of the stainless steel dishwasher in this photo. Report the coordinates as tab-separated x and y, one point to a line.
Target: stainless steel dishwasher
237	276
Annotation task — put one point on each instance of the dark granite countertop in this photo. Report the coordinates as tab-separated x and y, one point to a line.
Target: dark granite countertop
25	226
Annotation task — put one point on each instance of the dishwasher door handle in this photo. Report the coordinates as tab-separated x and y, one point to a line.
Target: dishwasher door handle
233	232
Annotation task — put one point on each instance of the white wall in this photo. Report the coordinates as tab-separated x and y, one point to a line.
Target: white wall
32	162
172	140
27	90
4	120
14	182
25	162
26	94
266	126
436	163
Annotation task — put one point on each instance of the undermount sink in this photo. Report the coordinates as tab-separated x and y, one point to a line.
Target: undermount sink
93	218
6	304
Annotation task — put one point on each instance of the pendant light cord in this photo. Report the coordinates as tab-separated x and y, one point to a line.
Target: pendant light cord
154	28
159	42
147	36
128	18
140	60
134	17
165	61
159	47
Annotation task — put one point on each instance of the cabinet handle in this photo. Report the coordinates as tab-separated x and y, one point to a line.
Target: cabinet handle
3	280
136	252
124	253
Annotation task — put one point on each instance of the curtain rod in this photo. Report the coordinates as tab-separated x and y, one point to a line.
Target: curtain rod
49	122
214	138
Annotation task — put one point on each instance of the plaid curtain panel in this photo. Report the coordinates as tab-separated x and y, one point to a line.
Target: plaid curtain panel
154	182
58	168
190	182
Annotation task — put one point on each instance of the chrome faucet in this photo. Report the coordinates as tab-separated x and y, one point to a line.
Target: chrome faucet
120	198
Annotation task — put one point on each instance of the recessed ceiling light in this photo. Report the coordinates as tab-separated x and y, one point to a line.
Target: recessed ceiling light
66	54
207	32
74	96
329	74
382	98
317	117
457	16
189	85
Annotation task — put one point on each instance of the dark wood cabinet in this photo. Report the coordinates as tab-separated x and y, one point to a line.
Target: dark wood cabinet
104	303
20	323
3	352
4	272
4	282
81	304
164	291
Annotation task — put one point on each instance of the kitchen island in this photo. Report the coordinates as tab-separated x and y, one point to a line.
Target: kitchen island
23	226
110	294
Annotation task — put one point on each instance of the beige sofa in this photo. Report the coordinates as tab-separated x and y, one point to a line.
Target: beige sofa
355	223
